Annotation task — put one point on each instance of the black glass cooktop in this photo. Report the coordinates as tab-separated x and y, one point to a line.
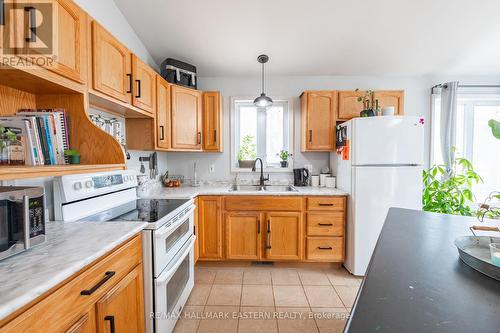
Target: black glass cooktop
146	210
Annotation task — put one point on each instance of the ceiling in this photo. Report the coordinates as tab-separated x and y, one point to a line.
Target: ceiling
322	37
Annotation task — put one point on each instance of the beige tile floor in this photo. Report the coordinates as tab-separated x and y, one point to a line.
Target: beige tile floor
242	298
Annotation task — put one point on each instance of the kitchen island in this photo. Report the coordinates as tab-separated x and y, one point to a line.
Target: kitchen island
417	283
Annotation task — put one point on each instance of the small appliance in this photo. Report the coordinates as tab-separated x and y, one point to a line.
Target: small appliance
300	177
380	166
22	219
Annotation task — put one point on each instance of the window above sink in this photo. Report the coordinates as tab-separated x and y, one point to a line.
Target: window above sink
260	132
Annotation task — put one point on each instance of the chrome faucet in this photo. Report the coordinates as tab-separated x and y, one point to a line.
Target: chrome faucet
261	179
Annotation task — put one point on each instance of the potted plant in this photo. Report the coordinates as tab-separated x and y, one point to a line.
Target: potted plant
370	105
73	155
284	156
247	153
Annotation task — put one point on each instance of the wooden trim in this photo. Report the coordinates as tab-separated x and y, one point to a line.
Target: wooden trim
21	172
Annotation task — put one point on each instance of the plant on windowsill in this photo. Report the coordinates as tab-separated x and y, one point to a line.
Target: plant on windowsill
247	153
450	194
284	156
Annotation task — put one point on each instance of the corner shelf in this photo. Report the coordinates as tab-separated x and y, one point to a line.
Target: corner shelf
28	171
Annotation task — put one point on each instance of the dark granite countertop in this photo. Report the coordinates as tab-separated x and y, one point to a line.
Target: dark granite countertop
417	283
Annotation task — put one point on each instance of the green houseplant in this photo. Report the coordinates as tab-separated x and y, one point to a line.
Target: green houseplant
247	152
284	156
73	155
369	107
450	193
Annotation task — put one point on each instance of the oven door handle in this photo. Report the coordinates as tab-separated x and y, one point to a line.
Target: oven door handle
169	271
168	229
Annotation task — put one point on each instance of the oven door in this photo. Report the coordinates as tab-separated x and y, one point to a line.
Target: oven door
172	288
170	238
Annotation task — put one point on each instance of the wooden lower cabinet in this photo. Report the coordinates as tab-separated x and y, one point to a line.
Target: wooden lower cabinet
110	287
210	227
243	235
284	236
122	308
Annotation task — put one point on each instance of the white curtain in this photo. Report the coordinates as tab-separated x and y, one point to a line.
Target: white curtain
448	121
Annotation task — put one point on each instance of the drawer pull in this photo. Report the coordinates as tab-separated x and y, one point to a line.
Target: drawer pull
325	204
325	248
325	224
111	320
268	245
107	276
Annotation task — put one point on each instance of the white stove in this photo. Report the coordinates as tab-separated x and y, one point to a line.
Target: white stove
168	241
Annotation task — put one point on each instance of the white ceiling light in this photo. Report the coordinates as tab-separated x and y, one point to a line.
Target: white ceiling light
263	101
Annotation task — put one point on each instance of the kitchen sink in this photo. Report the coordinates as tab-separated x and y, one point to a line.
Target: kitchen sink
266	188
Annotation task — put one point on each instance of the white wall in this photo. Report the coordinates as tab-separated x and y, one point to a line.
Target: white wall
110	17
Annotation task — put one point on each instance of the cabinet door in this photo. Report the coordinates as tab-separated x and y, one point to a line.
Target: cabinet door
162	113
122	308
318	116
144	92
84	324
284	236
210	227
391	98
243	239
186	118
212	121
349	106
111	65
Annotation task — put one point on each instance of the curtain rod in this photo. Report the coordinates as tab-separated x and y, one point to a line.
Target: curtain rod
442	85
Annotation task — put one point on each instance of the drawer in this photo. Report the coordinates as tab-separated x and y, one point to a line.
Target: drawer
63	306
325	249
325	224
326	203
267	203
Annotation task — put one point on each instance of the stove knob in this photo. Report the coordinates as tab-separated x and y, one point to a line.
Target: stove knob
89	184
77	186
126	178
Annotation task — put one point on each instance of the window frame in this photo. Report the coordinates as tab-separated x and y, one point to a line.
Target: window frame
288	132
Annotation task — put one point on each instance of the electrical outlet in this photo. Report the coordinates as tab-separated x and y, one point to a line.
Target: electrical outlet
211	168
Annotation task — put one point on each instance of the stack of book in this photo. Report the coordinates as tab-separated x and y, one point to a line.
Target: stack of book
44	133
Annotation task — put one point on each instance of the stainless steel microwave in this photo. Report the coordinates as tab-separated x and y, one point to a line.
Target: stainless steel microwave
22	219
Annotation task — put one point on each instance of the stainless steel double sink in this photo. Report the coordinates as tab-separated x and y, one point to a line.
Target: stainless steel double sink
265	188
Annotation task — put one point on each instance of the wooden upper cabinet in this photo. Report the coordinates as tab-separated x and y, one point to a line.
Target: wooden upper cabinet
349	106
122	308
144	91
391	98
210	227
163	117
243	240
186	118
212	121
111	65
318	120
66	52
284	236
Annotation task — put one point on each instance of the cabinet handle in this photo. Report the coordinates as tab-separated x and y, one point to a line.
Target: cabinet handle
325	224
215	136
138	89
2	12
199	138
325	204
129	91
111	320
258	226
162	132
325	248
32	24
310	135
268	235
107	276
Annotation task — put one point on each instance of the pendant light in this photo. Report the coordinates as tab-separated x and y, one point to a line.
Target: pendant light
263	101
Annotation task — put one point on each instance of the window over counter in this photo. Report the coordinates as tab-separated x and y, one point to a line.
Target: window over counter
474	139
260	132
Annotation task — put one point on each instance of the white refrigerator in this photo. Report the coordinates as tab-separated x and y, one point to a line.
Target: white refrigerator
382	168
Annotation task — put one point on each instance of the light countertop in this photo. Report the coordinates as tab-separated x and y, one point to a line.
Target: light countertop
188	192
70	246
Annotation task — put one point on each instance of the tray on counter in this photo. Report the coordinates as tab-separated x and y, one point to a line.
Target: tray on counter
475	252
